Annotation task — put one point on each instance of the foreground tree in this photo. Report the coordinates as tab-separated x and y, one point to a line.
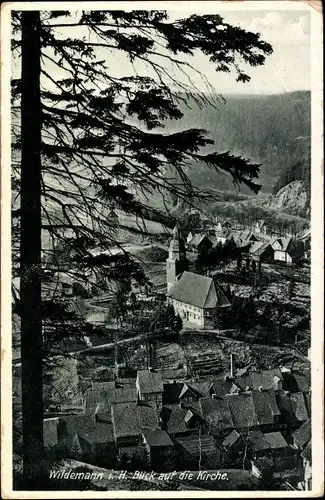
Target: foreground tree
89	142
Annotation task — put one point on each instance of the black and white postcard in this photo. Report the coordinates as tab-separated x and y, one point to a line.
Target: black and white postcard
162	249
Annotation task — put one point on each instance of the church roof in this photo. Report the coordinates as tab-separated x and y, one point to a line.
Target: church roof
200	291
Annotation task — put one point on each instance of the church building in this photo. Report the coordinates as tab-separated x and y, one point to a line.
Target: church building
194	297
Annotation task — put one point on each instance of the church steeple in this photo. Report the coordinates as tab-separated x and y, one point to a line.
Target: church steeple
177	262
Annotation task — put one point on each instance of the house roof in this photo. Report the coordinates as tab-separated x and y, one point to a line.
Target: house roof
216	412
297	381
275	440
299	406
197	239
306	453
130	419
174	418
157	438
257	441
264	378
242	409
263	407
86	427
104	399
302	435
260	249
201	389
222	387
103	386
196	445
199	291
172	392
248	235
231	439
150	381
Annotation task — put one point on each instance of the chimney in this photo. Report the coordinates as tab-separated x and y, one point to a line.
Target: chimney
174	381
232	365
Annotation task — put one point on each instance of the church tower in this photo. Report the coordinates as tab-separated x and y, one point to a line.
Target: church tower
177	262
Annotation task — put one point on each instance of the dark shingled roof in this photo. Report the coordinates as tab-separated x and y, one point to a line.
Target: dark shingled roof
275	440
263	407
216	412
174	419
264	378
257	441
104	399
195	445
243	410
197	240
150	381
201	389
199	291
230	440
221	387
172	392
299	406
157	438
297	381
87	428
302	435
130	419
306	453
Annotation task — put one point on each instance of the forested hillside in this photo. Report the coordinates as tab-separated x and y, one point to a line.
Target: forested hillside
295	172
271	130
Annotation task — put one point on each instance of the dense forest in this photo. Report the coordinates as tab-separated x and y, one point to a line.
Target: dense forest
271	130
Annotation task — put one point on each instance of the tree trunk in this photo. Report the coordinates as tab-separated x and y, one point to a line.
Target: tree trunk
30	249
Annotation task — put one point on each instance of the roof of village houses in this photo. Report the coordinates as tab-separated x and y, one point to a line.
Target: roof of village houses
242	409
172	392
231	439
302	435
130	419
88	428
248	235
196	445
264	378
104	399
103	386
275	440
259	247
197	239
306	452
299	406
174	418
257	440
216	412
157	438
150	381
200	291
263	407
297	381
221	387
201	388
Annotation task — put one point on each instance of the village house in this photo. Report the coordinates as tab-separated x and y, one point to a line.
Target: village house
194	450
302	435
103	399
160	450
196	298
130	421
84	437
261	252
286	250
149	386
199	243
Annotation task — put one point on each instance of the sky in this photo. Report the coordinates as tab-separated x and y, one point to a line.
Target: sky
286	70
